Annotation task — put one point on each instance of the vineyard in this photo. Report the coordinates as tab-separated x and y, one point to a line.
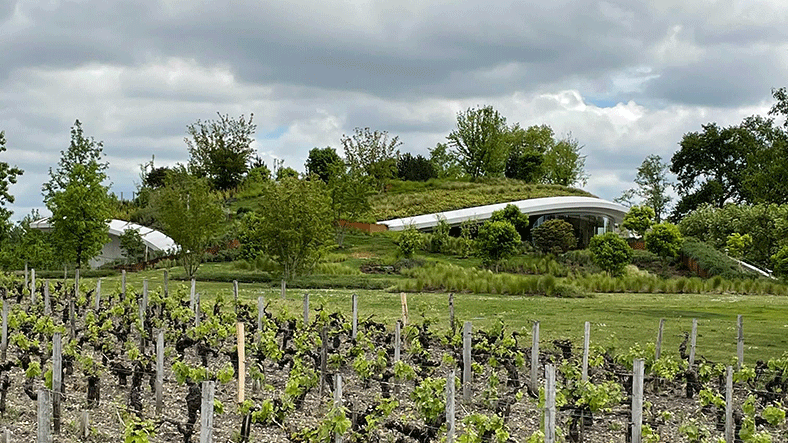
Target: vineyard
393	377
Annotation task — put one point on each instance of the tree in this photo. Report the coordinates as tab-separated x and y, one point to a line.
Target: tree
737	245
350	195
665	240
639	219
371	153
554	236
416	168
709	168
611	252
563	164
79	203
132	244
293	224
479	142
527	149
652	185
221	149
512	214
24	244
445	162
323	163
497	240
765	177
8	175
190	214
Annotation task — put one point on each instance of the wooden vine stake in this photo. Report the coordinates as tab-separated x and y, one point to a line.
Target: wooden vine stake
337	401
466	362
549	403
206	412
47	301
33	286
637	399
159	372
586	345
729	404
658	348
740	342
306	309
241	361
192	294
404	301
355	316
122	282
235	297
98	294
260	313
4	338
57	379
451	314
535	359
693	342
44	417
284	289
450	407
397	341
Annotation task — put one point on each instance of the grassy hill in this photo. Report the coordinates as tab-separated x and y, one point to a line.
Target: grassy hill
406	199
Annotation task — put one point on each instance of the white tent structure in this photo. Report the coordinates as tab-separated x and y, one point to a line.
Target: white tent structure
569	206
154	240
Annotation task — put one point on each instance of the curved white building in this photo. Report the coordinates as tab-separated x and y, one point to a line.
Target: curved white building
154	240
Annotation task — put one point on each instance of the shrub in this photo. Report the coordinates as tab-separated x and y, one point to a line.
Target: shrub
497	240
611	252
710	259
664	239
512	214
780	262
408	242
554	236
415	168
639	219
439	239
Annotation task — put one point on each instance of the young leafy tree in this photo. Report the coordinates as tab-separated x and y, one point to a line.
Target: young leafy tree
497	240
408	242
611	252
350	194
479	142
79	202
8	175
221	149
372	153
132	244
665	240
738	245
652	186
190	214
294	224
563	164
445	162
323	163
527	149
554	236
639	219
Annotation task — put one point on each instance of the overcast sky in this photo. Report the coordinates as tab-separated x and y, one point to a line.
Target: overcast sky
626	78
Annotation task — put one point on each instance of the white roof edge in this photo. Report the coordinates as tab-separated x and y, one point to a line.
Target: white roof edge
534	206
153	239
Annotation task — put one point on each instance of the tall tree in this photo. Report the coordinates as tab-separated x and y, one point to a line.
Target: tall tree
190	214
652	187
527	149
79	202
709	168
765	177
323	163
563	164
372	153
8	175
293	224
446	165
221	149
479	142
349	195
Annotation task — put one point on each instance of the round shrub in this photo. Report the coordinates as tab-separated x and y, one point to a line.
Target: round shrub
780	262
611	252
408	242
639	219
497	240
554	236
665	240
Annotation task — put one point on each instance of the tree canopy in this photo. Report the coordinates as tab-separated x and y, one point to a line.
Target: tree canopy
8	175
563	164
479	142
324	163
190	214
221	149
371	153
79	202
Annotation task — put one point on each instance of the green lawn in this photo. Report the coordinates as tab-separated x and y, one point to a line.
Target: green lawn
619	320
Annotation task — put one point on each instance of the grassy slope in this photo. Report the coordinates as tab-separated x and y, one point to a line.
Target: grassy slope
404	199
